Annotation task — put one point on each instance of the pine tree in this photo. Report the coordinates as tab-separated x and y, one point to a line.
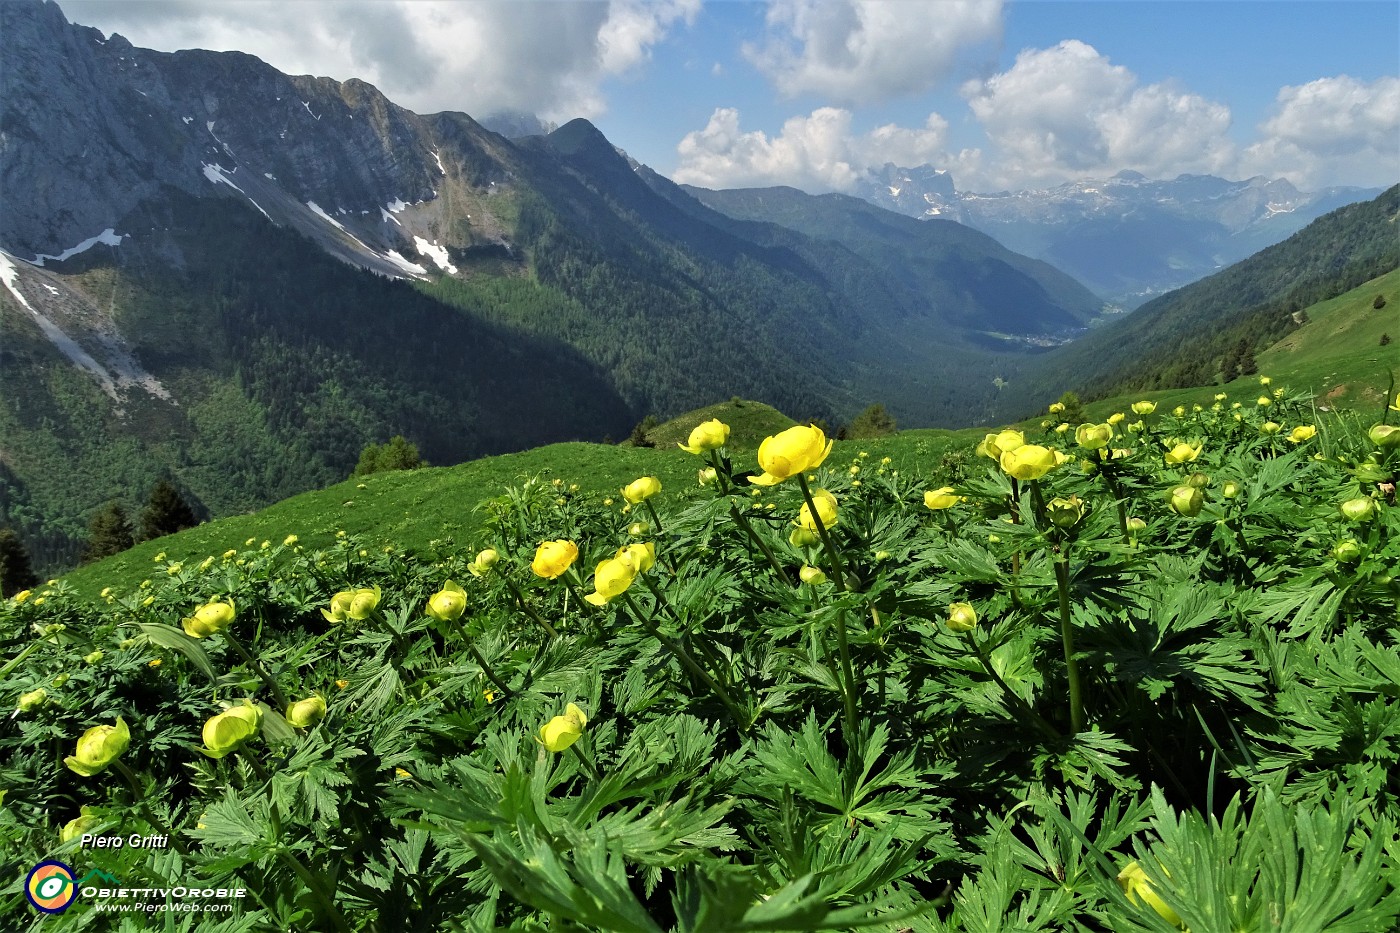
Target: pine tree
1379	302
166	512
873	422
109	533
1385	340
15	572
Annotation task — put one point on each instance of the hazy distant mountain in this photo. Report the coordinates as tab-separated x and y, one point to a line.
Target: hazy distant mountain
1127	237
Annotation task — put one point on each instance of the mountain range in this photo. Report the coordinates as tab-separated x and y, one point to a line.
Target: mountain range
1129	238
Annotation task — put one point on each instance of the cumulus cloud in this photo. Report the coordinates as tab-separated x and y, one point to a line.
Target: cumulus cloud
1067	112
548	58
860	51
1331	131
818	152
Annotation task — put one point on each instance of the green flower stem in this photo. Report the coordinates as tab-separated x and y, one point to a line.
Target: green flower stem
1015	520
257	767
689	663
1076	689
527	609
848	687
575	585
1116	489
663	602
19	658
1038	501
486	668
588	766
743	520
655	519
1037	720
258	669
311	879
719	472
140	797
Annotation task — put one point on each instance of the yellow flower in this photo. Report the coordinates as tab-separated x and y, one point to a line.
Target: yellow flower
812	576
612	577
642	556
227	731
1182	453
155	663
1264	380
1116	418
28	702
1136	885
638	530
640	489
230	553
483	562
553	558
342	684
1186	500
1396	406
364	602
340	606
962	618
489	694
1065	513
562	731
1056	407
1230	490
206	563
941	498
1264	401
1220	396
1093	436
802	537
159	557
1303	432
1358	510
1346	551
93	657
1270	428
98	748
1278	393
1062	427
448	603
306	713
1144	408
290	540
1135	525
402	774
75	828
785	454
826	511
209	619
707	476
1028	462
708	435
1384	435
1179	411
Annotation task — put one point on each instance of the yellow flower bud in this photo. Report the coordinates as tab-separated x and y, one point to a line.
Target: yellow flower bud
1187	501
638	530
340	606
706	476
1144	408
562	731
1220	396
1264	401
643	488
1028	462
210	618
787	453
826	511
98	748
484	561
1179	411
813	576
1270	428
962	618
227	731
1384	435
1182	453
1136	885
1346	551
1056	408
1199	480
448	603
1264	380
363	603
941	498
306	713
1064	513
1135	525
1230	490
1116	418
1358	510
28	702
76	828
804	537
1303	432
708	435
1093	436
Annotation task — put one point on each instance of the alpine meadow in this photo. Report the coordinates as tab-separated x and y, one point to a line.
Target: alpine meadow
446	519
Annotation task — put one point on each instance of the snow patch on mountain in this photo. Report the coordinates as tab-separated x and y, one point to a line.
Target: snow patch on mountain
436	253
108	237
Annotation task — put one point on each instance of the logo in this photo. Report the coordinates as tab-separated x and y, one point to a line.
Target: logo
50	887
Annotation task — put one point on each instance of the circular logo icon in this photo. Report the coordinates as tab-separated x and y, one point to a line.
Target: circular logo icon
50	887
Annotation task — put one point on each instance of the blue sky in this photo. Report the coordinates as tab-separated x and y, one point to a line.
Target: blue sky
816	93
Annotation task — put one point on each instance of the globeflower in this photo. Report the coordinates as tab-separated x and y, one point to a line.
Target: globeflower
1138	888
802	537
941	498
1186	500
812	576
994	445
1144	408
1303	432
640	489
708	435
1384	435
98	748
75	828
1056	408
1093	436
707	476
1346	551
826	511
208	619
28	702
448	603
612	577
340	606
1361	509
962	618
562	731
306	713
229	730
1116	418
552	558
1028	462
1264	401
1183	453
364	602
788	453
1270	428
1065	513
483	562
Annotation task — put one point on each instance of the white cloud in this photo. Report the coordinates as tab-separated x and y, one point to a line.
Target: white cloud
816	153
860	51
1331	131
1067	112
548	58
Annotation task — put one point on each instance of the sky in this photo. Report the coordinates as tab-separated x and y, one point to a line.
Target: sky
817	94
